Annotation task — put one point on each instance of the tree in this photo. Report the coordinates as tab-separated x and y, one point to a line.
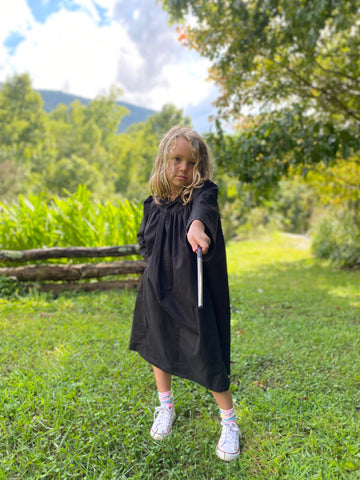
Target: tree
161	122
21	115
66	174
23	133
11	176
296	64
85	144
86	131
339	186
269	147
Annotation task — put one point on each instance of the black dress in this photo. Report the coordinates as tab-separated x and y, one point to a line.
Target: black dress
169	331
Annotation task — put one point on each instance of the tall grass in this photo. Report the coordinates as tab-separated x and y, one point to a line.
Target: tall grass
73	221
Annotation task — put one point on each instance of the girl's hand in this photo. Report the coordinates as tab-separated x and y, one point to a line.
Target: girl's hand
197	237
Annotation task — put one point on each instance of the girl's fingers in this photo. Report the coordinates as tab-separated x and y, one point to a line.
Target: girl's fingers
204	243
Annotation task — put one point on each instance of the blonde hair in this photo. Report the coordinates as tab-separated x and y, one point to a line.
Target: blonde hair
159	185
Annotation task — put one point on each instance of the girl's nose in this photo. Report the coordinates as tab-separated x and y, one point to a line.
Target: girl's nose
183	166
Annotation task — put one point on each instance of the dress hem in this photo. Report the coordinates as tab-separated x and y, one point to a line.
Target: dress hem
179	374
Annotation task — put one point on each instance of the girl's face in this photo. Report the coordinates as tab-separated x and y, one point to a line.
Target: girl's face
180	167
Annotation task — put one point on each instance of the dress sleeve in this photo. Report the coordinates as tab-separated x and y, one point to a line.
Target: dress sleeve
140	235
206	209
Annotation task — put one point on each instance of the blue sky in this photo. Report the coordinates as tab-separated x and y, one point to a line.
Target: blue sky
84	47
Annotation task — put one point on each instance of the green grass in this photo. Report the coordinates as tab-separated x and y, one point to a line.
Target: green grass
75	403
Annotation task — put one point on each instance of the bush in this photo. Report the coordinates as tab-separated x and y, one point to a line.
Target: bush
290	209
294	205
259	221
337	237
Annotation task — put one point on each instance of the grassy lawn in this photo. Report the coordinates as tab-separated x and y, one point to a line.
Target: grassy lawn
75	403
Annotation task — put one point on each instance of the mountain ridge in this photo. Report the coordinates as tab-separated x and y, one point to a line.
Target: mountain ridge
199	113
53	98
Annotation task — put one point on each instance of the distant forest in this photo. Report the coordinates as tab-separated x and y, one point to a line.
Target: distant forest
52	142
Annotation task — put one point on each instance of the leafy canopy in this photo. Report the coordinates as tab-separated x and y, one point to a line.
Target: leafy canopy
276	50
295	65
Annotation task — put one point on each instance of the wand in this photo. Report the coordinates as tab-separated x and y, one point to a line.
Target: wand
199	277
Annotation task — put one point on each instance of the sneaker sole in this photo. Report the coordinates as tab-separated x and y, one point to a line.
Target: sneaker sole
228	457
159	436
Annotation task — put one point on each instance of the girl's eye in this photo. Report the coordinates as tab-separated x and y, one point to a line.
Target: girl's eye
177	159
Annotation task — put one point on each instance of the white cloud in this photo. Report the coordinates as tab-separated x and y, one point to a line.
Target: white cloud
71	53
15	16
183	82
75	52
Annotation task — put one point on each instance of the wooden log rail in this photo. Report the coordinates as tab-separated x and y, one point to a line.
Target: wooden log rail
34	273
71	274
67	252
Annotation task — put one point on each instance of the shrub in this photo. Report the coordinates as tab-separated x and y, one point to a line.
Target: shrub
337	237
294	205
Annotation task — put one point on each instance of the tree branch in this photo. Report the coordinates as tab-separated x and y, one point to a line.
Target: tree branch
329	95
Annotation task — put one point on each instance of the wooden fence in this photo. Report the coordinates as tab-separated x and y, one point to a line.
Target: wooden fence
71	276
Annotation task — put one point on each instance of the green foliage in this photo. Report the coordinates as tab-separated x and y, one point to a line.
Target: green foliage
295	65
323	242
53	152
289	209
234	204
336	227
83	138
278	51
67	173
11	176
265	150
86	130
294	203
22	136
77	404
258	221
338	185
73	221
336	236
10	287
21	116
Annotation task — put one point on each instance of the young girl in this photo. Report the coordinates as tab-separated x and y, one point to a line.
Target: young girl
169	330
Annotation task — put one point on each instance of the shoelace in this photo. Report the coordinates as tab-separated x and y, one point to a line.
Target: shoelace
229	434
162	417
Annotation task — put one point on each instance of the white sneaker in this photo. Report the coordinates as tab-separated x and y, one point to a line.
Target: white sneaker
228	447
164	417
